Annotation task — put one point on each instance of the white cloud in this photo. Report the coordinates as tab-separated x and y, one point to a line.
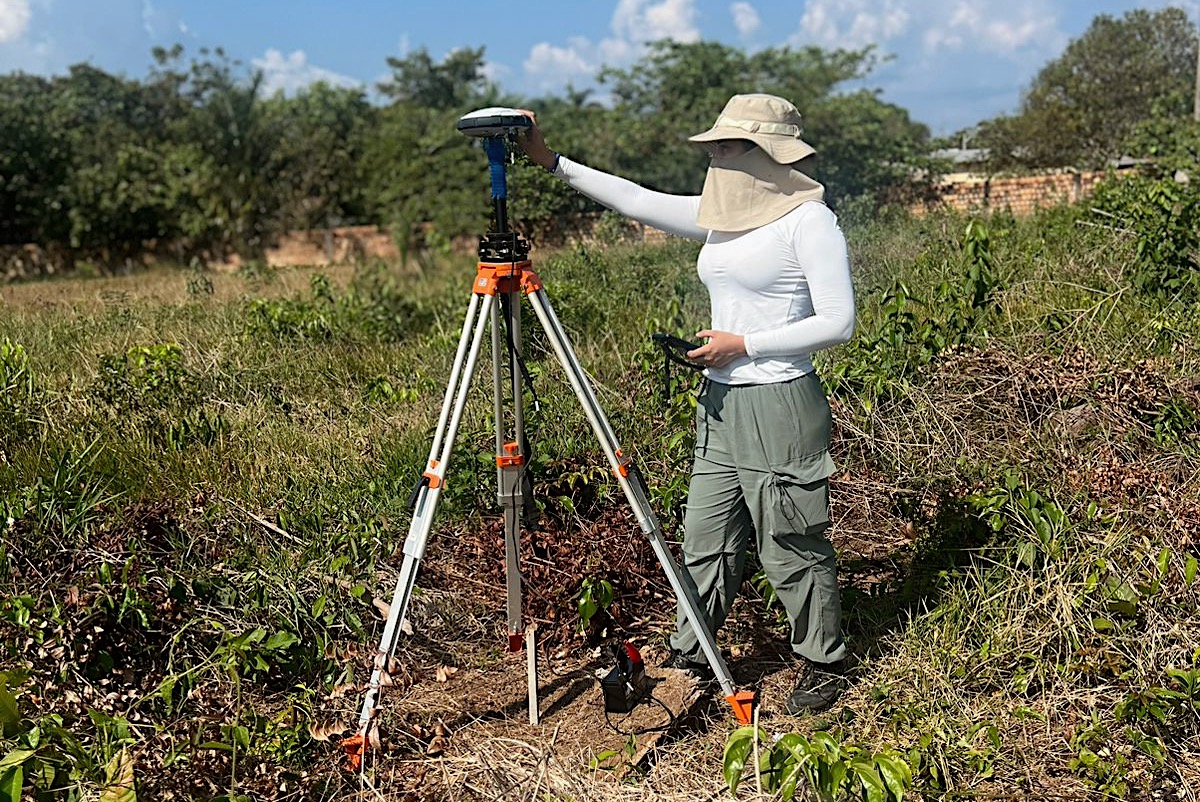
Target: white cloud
634	23
745	18
148	18
495	72
160	24
852	23
292	72
644	21
551	60
997	26
14	19
956	61
953	58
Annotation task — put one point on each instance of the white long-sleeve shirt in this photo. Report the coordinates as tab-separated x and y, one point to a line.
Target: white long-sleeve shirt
784	286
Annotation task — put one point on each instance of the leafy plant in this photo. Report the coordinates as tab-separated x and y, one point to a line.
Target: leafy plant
380	390
1174	421
907	331
1039	522
46	758
146	376
616	759
371	308
1167	709
795	767
595	596
1103	754
1164	218
1125	594
150	388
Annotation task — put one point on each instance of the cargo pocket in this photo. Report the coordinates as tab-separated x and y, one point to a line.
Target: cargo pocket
797	508
798	501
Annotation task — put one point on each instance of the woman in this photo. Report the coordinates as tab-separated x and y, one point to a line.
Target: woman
775	265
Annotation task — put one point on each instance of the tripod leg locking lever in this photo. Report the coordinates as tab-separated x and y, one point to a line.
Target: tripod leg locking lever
432	478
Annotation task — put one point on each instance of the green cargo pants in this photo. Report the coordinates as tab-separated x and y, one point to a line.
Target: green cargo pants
761	467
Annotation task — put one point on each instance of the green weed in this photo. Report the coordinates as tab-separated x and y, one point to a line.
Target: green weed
20	403
798	767
595	596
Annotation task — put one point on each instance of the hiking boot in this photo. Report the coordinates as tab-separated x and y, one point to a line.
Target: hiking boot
821	686
681	662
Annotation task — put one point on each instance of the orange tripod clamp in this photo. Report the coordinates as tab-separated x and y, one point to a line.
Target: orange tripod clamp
435	481
500	278
623	463
510	459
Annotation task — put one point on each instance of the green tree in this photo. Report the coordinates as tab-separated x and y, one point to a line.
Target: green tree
320	152
866	147
115	197
193	155
1082	106
425	178
1171	143
454	83
35	161
543	207
231	138
80	160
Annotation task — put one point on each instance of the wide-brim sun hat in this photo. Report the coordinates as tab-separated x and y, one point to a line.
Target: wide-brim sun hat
768	121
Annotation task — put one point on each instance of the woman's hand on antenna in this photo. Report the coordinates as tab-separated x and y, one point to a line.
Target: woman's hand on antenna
531	141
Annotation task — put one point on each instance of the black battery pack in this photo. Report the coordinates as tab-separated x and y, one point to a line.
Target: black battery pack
625	685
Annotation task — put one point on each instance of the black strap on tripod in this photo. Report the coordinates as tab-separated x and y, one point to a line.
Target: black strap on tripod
416	492
675	349
515	355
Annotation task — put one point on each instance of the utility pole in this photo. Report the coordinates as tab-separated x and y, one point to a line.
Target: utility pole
1196	99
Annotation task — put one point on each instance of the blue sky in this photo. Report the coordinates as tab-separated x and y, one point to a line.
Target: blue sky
954	62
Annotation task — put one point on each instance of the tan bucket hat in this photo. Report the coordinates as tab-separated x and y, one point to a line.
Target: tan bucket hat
768	121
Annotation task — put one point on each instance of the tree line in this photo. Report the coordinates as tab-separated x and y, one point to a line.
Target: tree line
195	156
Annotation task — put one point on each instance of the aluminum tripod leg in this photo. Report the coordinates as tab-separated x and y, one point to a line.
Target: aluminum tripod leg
480	313
635	491
511	480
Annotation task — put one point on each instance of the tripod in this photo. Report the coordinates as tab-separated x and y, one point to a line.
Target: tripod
505	273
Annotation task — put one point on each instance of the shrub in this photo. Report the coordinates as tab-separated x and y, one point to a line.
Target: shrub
1164	218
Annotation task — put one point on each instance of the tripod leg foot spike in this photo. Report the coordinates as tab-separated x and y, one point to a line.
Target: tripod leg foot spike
742	703
355	748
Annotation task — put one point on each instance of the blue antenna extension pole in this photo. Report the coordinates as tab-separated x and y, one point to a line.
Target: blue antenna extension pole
497	154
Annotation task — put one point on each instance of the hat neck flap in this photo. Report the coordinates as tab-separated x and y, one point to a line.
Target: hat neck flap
751	190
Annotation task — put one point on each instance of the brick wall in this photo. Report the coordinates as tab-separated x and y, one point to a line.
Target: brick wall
1020	194
326	246
318	247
